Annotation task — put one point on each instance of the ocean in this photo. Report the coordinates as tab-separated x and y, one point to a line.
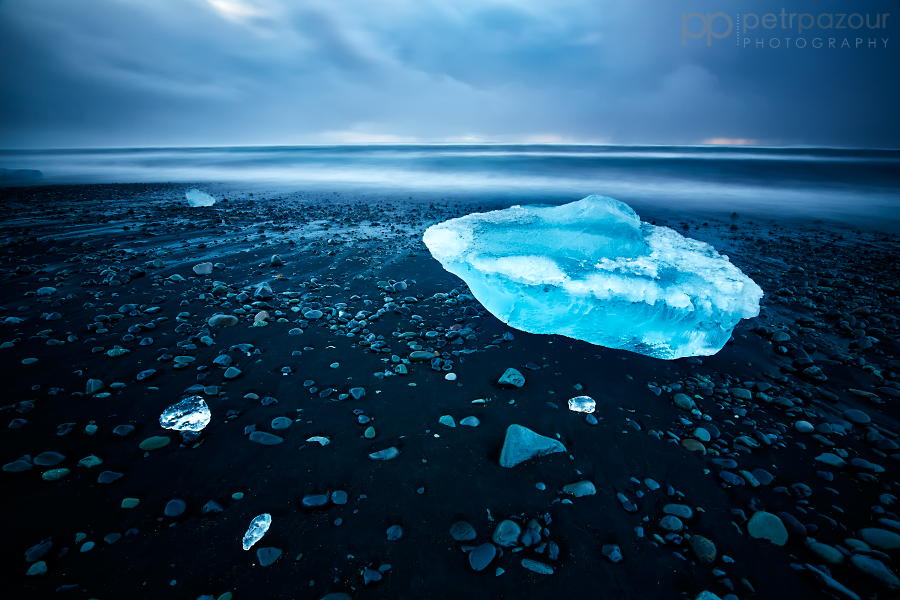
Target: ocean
853	187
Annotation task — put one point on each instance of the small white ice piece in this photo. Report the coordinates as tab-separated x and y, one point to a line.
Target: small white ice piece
197	198
258	528
191	414
582	404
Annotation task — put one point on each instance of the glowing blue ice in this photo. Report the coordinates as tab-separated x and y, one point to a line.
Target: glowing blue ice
258	528
191	414
592	271
197	198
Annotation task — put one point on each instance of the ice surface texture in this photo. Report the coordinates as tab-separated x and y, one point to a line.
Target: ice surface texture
191	414
258	528
197	198
592	271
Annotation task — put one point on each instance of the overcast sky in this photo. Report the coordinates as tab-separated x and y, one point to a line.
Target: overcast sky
89	73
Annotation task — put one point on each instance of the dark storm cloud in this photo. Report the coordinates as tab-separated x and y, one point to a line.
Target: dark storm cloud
196	72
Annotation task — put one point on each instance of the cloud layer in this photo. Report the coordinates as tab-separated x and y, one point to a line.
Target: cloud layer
213	72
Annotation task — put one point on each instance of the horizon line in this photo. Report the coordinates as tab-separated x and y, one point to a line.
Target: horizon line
481	143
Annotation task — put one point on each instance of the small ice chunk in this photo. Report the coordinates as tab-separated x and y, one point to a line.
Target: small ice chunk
583	404
191	414
258	528
591	270
197	198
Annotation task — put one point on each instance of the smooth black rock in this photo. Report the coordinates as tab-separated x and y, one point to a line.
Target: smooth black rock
175	508
462	531
481	557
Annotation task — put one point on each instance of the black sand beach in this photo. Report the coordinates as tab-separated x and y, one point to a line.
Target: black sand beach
800	423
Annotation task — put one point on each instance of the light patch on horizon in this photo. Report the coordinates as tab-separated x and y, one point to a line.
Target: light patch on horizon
235	10
729	142
356	137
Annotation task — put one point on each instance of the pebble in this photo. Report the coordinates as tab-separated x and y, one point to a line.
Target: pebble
222	321
461	531
154	443
876	570
682	511
612	552
175	508
281	423
386	454
511	378
507	534
522	444
38	568
481	556
48	459
267	556
764	525
579	489
880	538
537	567
671	524
804	427
394	533
264	438
109	477
470	422
857	416
704	549
54	474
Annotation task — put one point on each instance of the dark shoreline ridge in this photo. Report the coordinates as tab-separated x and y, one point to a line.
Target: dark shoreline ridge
788	403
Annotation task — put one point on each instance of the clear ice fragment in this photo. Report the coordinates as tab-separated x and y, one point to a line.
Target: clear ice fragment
197	198
591	270
191	414
258	528
583	404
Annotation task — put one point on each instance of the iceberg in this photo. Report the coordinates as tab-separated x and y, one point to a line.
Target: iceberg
592	271
197	198
258	528
191	414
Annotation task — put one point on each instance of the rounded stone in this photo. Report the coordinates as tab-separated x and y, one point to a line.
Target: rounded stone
281	423
857	416
175	508
671	524
880	538
827	554
54	474
507	534
481	557
155	442
462	531
804	427
222	321
704	549
766	526
682	511
579	489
